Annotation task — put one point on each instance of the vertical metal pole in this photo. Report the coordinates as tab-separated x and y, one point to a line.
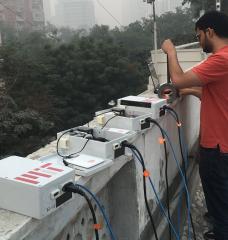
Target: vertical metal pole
155	27
155	35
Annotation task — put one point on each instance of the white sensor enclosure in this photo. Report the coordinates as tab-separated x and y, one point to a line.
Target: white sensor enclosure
110	149
33	188
136	105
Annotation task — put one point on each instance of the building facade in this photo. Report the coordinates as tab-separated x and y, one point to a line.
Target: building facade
22	14
47	10
76	14
163	6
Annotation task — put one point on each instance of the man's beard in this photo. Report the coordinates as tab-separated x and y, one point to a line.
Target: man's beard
207	48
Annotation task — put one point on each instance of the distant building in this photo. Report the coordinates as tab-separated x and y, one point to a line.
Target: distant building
133	10
163	6
21	14
76	14
47	10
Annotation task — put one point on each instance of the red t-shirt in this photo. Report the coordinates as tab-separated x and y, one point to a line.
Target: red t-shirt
213	72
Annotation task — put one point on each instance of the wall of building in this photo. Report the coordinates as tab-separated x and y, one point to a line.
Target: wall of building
119	188
163	6
47	10
75	14
20	14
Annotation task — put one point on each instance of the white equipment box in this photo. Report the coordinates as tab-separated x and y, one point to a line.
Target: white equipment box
132	122
74	143
135	110
31	187
136	105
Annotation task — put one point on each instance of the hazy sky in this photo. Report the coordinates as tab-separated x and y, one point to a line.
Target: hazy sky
125	11
102	17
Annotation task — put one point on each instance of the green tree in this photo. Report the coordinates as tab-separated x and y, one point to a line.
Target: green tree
57	79
21	131
207	5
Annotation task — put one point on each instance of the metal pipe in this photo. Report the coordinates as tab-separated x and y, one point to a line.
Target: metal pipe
187	45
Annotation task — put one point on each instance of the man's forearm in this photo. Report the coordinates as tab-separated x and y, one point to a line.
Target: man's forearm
175	69
195	91
179	78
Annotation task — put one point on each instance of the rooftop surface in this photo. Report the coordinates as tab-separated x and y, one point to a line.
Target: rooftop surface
198	209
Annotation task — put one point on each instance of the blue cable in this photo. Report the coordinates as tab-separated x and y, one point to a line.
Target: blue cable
186	165
185	185
183	146
102	210
158	201
179	210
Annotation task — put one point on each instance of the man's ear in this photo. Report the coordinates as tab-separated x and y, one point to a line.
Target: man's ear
211	32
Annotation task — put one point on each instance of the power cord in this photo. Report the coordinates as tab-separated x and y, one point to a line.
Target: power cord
132	147
181	144
158	201
184	182
108	121
70	187
83	147
141	161
76	188
166	173
180	170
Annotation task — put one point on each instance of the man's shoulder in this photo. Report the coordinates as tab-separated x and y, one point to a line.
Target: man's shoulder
223	52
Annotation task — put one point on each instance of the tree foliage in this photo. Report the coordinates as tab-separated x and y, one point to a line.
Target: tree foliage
207	5
57	79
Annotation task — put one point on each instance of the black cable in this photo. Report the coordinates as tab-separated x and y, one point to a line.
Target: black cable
70	155
109	121
72	188
125	144
184	165
106	10
166	175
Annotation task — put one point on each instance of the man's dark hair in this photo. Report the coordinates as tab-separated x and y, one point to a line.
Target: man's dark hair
215	20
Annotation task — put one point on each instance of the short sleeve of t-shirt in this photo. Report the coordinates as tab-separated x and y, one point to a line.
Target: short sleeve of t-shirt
215	68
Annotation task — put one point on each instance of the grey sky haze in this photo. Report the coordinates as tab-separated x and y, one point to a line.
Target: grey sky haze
125	11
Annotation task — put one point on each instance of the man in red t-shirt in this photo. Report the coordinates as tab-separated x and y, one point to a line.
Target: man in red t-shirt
209	82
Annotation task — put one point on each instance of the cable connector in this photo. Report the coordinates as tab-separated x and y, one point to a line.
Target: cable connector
161	140
85	129
161	112
150	120
97	226
165	107
118	110
71	187
179	124
146	173
125	143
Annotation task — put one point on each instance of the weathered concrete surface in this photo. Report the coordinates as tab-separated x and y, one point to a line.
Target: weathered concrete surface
198	210
119	189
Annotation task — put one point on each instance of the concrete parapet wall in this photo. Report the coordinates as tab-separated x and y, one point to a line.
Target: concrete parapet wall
119	188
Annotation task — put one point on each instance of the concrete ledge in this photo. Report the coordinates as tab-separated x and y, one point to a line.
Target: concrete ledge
119	188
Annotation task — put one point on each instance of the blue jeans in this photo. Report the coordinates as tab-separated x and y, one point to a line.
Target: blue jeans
213	169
